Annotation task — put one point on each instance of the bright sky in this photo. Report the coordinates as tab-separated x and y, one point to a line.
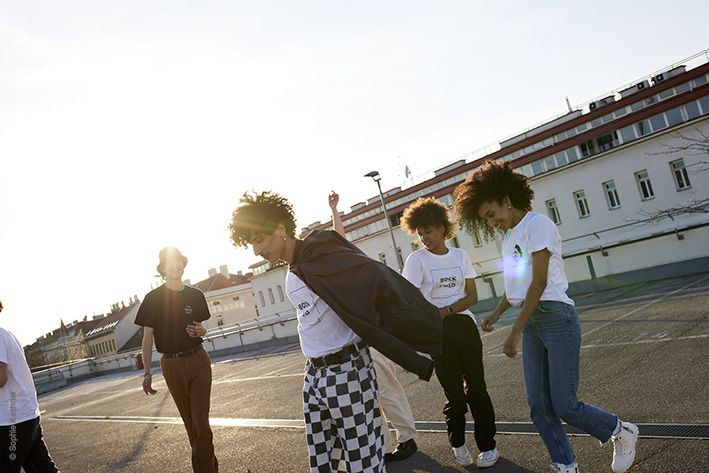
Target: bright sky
128	126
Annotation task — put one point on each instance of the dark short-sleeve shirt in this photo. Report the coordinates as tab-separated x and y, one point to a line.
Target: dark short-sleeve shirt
169	312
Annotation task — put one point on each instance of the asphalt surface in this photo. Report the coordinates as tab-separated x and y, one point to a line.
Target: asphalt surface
644	356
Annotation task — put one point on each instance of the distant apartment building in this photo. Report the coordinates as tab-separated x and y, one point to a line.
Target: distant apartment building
229	296
102	336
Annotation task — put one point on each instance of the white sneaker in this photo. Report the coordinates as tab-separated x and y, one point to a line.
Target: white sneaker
488	458
624	447
559	468
462	456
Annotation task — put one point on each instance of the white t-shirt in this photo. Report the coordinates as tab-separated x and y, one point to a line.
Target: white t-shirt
18	398
441	278
533	233
320	329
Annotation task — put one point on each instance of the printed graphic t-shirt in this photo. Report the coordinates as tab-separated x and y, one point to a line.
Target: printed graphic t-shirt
169	312
533	233
441	278
18	398
320	329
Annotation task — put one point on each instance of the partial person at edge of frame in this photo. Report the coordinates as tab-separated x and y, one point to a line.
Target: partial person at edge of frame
21	439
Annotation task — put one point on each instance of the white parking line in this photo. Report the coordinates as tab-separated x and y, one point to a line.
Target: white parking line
655	301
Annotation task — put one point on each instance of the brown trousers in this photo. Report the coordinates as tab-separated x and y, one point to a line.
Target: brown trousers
190	383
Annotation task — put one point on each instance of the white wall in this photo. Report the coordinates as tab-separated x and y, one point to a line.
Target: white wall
271	280
232	311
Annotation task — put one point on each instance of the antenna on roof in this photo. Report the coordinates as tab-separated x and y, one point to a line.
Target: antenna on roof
568	105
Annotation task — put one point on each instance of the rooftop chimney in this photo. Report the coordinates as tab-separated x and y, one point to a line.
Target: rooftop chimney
212	272
224	270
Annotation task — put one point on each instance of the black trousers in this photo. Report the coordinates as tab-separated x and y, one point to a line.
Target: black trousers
22	445
460	371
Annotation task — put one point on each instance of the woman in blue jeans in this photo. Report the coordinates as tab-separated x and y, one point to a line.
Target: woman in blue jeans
495	197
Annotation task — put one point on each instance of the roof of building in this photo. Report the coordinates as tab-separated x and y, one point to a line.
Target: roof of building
94	328
133	343
219	281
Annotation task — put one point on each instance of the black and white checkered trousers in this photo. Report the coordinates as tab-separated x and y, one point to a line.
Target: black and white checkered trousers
342	419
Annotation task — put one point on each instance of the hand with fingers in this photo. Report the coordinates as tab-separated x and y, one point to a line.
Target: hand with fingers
148	384
333	199
488	322
196	330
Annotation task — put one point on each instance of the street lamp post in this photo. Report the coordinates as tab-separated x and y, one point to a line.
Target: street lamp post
376	177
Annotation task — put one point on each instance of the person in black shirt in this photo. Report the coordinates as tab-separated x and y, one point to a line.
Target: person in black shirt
171	316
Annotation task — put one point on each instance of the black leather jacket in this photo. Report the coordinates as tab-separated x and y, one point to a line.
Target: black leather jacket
377	303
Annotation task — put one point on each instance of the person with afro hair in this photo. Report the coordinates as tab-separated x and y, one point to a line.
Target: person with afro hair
495	198
446	278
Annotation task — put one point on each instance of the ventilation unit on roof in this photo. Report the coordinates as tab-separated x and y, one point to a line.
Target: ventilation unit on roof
601	103
658	78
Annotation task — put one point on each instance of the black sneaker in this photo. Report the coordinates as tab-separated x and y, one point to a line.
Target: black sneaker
402	452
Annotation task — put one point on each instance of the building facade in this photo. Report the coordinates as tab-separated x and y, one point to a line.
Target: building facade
600	172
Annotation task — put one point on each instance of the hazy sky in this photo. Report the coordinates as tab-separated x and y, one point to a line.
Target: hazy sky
128	126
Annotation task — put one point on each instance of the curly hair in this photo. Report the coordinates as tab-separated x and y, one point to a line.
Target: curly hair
492	181
428	212
260	213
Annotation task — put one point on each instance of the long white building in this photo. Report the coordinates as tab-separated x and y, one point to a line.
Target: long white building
597	171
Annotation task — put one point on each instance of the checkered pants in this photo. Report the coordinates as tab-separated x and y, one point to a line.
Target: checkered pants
342	420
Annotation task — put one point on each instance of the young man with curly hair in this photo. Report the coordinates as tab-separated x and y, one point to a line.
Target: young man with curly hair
344	302
497	198
445	276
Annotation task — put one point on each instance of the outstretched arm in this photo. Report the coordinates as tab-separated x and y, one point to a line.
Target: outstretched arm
333	199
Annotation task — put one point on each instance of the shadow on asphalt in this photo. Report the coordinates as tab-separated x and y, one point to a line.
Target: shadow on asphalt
141	442
422	463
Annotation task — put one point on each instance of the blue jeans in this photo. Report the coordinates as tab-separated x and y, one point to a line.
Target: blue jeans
551	342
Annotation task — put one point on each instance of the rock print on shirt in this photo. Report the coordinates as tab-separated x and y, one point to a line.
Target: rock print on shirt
447	282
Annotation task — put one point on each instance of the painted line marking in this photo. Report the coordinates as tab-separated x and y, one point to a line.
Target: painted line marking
507	428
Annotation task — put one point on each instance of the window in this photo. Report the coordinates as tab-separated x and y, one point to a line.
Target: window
642	128
644	185
280	293
263	301
704	101
620	112
666	94
588	148
692	110
627	133
607	142
537	168
674	116
682	87
270	296
549	162
553	211
581	203
611	195
681	176
572	154
658	122
700	80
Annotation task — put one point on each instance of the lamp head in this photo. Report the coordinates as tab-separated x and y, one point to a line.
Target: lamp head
374	175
